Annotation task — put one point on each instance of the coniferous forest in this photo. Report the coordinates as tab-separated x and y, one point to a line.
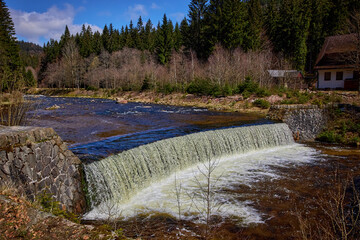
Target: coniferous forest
217	46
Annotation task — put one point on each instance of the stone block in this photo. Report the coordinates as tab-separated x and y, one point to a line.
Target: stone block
6	168
48	182
63	146
46	160
46	149
27	171
53	190
10	156
3	157
41	186
39	166
55	172
55	150
31	160
69	193
46	172
3	141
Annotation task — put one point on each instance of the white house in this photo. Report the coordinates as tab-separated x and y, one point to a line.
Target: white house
334	65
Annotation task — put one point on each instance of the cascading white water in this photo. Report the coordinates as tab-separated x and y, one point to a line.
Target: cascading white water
117	178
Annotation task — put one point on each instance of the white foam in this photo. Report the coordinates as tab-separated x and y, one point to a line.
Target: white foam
230	172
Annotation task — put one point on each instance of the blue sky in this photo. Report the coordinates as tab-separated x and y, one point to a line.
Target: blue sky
39	20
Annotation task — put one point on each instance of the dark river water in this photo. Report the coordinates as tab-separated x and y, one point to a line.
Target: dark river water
95	128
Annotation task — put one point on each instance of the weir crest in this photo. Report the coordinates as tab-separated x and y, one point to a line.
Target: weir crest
118	177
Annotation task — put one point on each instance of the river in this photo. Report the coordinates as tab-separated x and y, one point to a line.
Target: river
258	194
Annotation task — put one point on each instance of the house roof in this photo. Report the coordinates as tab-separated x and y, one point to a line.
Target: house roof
284	73
336	52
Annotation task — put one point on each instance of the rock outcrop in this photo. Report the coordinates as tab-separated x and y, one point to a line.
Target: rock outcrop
37	160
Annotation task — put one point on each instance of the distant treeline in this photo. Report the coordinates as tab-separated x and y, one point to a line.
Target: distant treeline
30	54
287	32
13	74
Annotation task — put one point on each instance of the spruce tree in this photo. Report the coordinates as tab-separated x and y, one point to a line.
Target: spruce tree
164	41
149	39
317	30
133	33
105	38
64	38
255	25
10	64
185	34
234	14
177	38
85	42
215	21
197	29
139	41
97	45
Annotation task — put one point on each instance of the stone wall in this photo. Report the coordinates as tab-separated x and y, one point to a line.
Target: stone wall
37	160
305	121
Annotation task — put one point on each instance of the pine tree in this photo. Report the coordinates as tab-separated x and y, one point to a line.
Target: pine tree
85	42
177	38
139	41
234	14
164	41
185	34
289	29
133	35
317	31
197	29
64	38
215	21
10	64
97	45
149	39
114	39
105	38
255	25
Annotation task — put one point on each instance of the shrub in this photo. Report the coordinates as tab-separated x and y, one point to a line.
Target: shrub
248	85
261	103
330	137
91	88
167	88
200	87
146	84
303	98
246	94
262	92
13	109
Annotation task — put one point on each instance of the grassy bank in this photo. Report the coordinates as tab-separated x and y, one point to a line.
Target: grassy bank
250	97
342	128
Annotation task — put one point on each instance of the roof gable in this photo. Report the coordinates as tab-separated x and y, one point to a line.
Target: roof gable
336	51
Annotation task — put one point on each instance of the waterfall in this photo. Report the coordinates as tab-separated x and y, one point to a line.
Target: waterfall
118	177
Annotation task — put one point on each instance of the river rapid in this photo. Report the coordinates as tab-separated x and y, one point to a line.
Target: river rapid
257	194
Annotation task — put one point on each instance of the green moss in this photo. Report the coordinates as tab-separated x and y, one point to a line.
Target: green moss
48	204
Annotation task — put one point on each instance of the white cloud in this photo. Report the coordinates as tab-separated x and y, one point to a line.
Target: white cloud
35	26
155	6
134	12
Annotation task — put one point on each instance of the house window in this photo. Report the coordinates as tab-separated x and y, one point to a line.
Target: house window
327	76
339	75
